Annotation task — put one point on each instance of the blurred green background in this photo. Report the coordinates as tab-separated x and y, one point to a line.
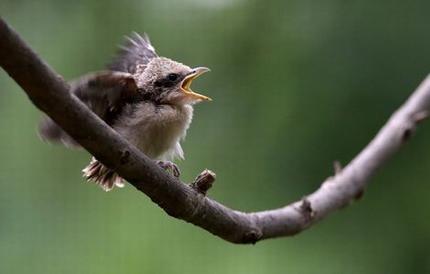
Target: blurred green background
296	85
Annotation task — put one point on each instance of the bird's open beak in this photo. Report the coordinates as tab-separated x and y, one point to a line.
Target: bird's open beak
186	83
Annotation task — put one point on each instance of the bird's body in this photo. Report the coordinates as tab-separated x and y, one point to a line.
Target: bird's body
155	129
147	99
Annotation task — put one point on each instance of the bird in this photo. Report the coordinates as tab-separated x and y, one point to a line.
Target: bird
146	98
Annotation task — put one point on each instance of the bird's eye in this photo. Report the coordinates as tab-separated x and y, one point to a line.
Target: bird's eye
172	77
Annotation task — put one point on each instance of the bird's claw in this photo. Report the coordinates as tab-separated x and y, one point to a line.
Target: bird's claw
170	167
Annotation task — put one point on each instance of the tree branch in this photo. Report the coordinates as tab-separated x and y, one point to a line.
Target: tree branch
50	93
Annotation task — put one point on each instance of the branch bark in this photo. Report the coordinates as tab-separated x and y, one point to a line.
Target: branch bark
50	93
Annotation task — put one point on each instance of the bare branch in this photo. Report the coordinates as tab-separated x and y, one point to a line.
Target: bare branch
49	92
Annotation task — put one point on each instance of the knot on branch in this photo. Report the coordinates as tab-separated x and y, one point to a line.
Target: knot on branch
204	181
359	195
307	210
407	134
416	119
252	236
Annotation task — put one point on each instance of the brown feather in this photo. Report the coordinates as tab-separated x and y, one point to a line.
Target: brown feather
101	175
105	93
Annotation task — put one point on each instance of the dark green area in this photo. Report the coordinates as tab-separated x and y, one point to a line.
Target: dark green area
296	85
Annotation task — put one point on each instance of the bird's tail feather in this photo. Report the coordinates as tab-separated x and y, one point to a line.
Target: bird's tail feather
106	178
49	131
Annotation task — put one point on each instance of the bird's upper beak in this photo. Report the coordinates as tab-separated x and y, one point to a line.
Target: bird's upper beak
186	83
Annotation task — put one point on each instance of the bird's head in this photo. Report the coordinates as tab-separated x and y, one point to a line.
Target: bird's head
168	82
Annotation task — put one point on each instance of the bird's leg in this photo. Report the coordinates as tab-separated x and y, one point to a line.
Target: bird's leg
170	167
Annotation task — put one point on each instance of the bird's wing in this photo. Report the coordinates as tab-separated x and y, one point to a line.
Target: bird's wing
105	93
137	51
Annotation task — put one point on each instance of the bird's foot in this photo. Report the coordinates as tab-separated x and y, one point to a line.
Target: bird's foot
170	167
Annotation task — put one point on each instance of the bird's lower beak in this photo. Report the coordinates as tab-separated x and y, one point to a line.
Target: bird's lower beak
186	83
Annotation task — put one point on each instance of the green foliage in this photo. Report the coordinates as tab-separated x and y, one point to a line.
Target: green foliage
296	85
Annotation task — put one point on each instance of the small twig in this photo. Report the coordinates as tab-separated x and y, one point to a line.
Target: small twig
204	181
307	210
337	166
421	116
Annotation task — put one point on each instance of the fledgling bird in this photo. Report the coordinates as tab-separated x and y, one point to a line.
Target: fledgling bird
145	98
